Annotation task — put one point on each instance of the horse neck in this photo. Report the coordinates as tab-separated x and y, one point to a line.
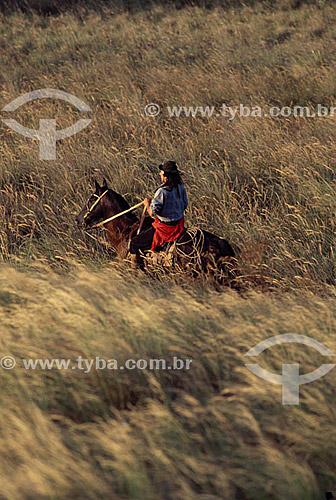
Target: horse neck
117	204
119	229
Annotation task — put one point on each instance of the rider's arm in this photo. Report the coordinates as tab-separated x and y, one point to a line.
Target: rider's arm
155	206
147	205
185	199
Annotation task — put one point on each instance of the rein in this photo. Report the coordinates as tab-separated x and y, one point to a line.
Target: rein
115	216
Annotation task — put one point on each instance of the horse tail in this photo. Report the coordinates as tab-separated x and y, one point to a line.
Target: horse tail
227	262
225	248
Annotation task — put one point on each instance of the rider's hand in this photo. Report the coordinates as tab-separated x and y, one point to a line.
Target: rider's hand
147	202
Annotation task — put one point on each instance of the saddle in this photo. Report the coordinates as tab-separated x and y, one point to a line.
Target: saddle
167	253
165	247
164	255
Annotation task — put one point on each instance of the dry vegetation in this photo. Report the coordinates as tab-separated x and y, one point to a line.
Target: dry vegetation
267	185
213	430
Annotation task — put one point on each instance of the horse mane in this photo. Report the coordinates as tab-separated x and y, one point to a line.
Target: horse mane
121	204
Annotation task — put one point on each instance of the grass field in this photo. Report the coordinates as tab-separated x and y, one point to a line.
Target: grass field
267	185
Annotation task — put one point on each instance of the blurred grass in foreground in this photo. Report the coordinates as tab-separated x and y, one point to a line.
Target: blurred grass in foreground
215	429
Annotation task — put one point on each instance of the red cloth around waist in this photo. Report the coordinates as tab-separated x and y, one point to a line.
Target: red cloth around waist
166	232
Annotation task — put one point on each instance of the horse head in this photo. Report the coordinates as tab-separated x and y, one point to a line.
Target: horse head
102	204
96	207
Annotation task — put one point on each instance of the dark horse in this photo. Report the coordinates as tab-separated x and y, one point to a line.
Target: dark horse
212	252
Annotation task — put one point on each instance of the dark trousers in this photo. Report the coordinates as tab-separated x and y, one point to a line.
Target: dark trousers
142	241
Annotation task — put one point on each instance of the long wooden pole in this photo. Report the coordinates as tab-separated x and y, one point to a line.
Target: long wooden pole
117	215
142	219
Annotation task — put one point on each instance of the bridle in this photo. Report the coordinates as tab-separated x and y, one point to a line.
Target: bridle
90	209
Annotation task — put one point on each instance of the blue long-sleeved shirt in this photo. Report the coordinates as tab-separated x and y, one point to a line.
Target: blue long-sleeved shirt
167	205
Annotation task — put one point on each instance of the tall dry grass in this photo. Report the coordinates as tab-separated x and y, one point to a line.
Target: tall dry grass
267	185
212	432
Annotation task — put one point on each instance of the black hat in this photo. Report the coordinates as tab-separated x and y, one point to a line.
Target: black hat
169	167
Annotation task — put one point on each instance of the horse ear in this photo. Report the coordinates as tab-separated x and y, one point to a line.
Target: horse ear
97	186
104	184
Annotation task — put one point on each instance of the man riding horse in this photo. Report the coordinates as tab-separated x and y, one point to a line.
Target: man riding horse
167	208
196	249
